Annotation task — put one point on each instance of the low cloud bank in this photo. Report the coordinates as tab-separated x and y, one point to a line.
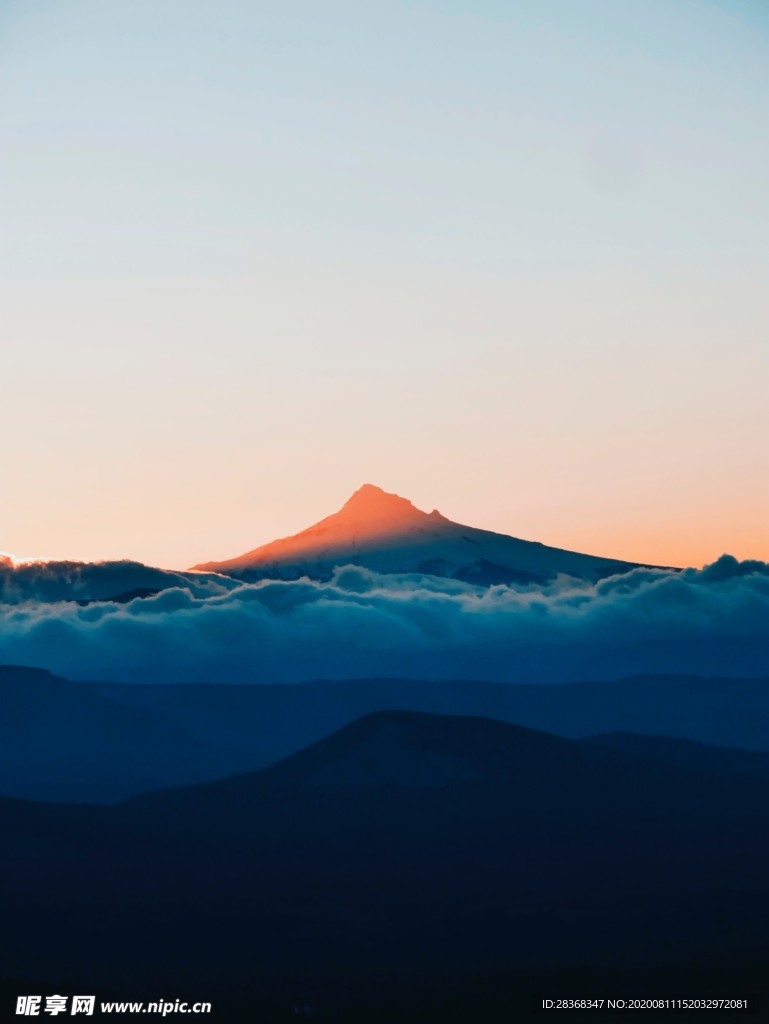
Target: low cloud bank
709	621
96	581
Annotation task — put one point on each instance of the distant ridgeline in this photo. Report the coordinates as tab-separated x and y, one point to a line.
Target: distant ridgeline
63	740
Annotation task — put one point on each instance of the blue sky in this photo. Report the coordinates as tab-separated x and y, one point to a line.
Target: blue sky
509	259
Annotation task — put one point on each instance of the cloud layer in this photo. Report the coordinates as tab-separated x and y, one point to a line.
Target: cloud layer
209	628
96	581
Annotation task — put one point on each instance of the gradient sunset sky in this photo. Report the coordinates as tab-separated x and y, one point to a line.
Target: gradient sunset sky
508	259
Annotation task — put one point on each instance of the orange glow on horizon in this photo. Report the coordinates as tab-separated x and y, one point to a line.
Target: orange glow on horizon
665	539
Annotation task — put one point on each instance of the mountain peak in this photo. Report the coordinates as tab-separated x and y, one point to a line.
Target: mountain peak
371	509
388	534
371	500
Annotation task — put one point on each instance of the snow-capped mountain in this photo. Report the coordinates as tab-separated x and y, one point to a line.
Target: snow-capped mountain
387	534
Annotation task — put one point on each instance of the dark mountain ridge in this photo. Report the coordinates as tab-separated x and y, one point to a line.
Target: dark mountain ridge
61	740
406	857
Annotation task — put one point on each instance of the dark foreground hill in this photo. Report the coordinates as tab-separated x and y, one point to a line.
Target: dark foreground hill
409	867
61	740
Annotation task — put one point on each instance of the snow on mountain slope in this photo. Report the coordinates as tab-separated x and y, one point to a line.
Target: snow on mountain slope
386	533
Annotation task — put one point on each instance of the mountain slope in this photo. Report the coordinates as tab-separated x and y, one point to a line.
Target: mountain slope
386	533
61	740
405	856
411	751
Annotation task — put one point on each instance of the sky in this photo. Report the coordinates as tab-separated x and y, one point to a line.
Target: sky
508	259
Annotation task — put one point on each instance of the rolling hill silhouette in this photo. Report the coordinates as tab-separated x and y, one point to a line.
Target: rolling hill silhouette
62	740
386	533
406	858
